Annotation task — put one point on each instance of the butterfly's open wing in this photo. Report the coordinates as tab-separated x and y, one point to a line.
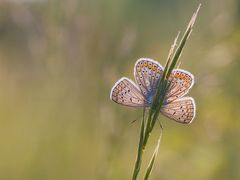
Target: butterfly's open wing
180	83
147	74
125	92
181	110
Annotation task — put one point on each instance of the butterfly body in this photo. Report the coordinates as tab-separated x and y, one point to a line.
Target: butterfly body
148	73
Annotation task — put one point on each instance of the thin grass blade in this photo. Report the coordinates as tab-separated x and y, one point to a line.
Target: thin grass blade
151	163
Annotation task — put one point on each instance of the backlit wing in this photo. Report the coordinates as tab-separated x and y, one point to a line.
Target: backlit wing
181	110
180	83
125	92
147	74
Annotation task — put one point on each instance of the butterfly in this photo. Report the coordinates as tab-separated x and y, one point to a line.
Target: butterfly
147	73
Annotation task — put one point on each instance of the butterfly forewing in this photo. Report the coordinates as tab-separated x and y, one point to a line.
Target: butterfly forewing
180	83
147	74
125	92
181	110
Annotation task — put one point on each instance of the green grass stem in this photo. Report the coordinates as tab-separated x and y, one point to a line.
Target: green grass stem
158	101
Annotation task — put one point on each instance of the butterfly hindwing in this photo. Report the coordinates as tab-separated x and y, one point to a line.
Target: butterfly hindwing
125	92
180	83
147	74
181	110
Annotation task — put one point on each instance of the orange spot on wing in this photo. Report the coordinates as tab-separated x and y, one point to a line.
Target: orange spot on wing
154	68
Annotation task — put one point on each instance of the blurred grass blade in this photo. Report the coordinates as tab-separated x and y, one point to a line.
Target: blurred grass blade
151	163
171	51
170	55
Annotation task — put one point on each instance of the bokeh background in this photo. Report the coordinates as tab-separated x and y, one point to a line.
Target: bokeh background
58	62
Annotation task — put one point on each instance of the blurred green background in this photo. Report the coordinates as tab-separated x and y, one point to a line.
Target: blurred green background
58	62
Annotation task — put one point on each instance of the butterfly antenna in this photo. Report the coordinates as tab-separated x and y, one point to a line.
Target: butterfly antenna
137	118
144	109
133	121
160	124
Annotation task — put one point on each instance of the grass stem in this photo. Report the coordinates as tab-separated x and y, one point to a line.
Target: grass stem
158	101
